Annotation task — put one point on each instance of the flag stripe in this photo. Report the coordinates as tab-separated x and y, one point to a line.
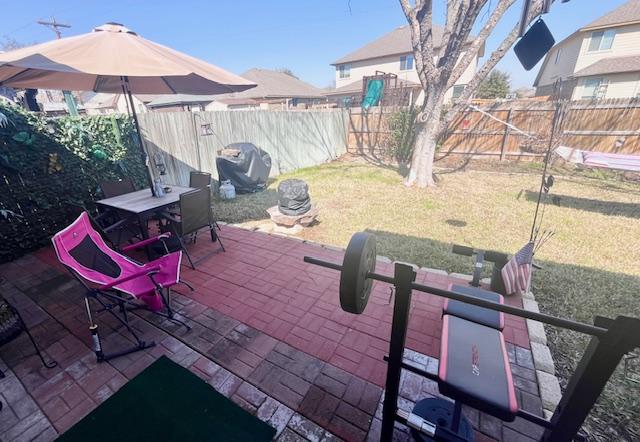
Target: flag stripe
516	274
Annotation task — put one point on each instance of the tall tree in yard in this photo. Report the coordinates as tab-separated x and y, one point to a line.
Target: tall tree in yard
439	71
496	85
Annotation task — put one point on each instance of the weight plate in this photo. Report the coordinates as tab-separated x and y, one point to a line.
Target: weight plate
359	261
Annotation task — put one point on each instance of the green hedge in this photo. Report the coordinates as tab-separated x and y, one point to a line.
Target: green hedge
46	163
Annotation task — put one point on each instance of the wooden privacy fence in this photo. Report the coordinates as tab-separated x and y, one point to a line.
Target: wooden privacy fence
516	129
190	140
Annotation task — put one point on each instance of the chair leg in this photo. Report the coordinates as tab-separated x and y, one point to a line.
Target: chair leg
101	357
33	341
186	252
167	303
188	285
215	237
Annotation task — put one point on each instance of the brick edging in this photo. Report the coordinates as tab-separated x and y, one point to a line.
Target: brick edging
548	383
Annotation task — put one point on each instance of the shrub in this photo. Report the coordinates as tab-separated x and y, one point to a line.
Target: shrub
402	125
46	163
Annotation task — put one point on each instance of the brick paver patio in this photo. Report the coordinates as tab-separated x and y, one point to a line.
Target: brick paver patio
267	331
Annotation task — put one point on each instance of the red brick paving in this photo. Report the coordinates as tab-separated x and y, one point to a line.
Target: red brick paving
261	280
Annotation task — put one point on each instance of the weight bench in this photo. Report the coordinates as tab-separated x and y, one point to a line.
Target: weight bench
474	366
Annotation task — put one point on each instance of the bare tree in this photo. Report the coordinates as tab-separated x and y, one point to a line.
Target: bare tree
439	71
286	70
9	44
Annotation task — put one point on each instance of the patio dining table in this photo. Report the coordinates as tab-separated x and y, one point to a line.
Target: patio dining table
142	204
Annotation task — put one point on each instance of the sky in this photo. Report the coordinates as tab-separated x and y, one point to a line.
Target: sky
302	35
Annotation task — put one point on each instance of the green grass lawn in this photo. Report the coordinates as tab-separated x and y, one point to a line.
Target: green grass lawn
591	265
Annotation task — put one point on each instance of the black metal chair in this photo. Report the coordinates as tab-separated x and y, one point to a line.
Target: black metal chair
117	187
195	214
11	325
113	229
198	180
111	189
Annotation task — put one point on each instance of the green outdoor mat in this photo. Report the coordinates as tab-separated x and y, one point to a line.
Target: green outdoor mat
166	402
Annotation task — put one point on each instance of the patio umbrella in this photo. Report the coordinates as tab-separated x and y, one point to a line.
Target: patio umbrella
114	59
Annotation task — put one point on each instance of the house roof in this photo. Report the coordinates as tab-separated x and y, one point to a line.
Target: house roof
356	87
274	84
625	14
175	99
237	101
611	65
397	41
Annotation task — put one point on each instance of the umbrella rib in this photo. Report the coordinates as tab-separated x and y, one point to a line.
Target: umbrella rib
168	85
4	82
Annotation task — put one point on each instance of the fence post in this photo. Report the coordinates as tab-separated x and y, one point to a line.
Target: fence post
503	147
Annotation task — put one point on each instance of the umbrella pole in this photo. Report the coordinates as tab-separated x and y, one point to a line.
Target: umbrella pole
143	153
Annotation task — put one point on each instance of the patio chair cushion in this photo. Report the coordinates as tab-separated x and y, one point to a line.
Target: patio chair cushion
90	256
483	316
474	368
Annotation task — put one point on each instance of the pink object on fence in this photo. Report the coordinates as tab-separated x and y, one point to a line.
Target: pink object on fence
629	163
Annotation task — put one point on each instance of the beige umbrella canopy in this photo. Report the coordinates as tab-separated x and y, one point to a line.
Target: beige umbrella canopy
97	61
114	59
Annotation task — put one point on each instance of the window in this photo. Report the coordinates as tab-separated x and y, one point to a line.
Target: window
406	62
345	70
558	51
591	88
457	91
601	40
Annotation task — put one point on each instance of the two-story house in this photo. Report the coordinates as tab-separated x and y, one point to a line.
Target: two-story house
392	54
600	60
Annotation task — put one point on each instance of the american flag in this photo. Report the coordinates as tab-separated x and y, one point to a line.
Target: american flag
516	274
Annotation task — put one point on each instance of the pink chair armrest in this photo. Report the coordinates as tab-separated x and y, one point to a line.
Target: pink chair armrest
144	242
141	272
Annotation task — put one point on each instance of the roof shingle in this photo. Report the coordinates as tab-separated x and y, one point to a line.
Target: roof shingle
274	84
397	41
611	65
627	13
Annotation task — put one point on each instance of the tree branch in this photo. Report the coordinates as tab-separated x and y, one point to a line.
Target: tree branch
479	40
491	62
461	21
420	23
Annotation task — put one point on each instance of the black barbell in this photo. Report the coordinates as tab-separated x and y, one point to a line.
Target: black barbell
357	274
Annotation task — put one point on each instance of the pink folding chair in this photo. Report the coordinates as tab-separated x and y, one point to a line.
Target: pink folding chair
116	281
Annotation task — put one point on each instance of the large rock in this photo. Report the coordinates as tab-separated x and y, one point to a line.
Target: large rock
291	220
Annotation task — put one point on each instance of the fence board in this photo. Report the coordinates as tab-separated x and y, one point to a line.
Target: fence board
293	139
604	125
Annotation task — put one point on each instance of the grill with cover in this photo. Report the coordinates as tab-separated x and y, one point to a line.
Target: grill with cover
245	165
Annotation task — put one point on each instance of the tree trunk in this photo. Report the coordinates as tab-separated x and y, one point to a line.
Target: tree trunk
421	170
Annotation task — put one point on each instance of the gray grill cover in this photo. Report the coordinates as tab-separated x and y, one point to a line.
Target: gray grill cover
293	197
249	171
